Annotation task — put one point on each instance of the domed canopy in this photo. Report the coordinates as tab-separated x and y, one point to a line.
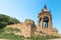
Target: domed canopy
44	11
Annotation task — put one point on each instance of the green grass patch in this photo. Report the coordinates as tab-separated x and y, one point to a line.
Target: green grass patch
11	36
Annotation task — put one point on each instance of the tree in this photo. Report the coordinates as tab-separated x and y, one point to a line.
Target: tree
7	20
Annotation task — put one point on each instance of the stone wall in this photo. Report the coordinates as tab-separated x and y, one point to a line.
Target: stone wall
27	28
48	31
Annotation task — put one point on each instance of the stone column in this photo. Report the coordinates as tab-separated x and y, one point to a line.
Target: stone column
38	26
50	24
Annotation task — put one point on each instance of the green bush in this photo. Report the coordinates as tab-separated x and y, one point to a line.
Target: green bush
7	20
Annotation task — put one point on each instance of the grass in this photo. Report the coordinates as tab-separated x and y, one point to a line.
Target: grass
4	35
43	37
12	36
12	29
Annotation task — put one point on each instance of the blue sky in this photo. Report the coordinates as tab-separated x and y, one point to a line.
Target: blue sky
29	9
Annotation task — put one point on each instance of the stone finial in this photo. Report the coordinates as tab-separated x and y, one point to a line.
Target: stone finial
45	7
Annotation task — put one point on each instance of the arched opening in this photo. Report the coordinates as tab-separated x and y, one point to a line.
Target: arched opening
45	22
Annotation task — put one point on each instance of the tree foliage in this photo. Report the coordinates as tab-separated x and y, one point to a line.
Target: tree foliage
7	20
